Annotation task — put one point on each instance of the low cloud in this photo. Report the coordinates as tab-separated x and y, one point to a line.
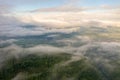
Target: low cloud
45	49
18	52
97	52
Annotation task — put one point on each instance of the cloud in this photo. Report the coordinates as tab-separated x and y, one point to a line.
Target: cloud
45	49
98	52
55	22
13	25
67	8
5	9
73	19
10	25
109	7
9	41
18	52
64	18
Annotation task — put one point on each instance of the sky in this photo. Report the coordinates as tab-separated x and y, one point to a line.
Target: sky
25	5
22	5
57	14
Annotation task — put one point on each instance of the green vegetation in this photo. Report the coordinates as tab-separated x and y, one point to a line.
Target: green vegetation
52	67
31	64
78	70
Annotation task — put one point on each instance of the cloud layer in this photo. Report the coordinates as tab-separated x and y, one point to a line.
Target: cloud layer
67	17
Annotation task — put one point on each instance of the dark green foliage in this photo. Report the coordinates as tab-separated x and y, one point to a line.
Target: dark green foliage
89	74
31	64
79	70
49	67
